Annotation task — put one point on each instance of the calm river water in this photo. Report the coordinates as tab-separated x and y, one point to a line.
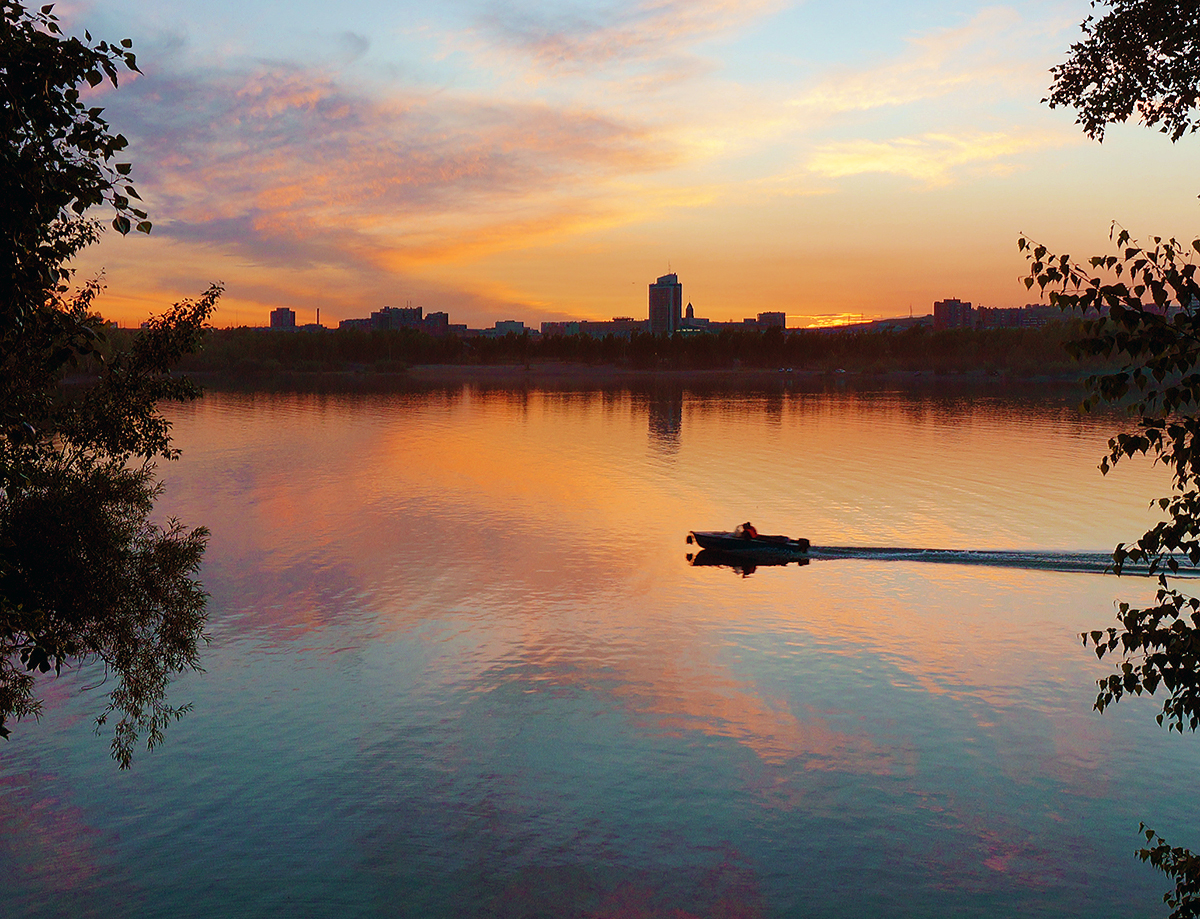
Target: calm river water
461	666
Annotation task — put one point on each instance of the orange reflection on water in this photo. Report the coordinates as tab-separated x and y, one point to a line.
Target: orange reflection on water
548	527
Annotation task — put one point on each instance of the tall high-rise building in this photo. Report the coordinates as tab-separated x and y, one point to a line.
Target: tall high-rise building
283	318
666	305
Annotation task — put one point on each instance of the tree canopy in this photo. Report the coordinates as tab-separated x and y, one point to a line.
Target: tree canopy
1140	56
85	575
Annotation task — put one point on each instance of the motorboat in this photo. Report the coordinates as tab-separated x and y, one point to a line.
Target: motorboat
746	542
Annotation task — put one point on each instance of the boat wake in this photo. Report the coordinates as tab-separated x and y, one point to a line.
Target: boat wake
1094	562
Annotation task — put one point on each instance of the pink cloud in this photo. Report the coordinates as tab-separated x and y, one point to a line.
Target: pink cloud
285	168
282	150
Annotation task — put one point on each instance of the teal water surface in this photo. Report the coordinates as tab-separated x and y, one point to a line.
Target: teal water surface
461	666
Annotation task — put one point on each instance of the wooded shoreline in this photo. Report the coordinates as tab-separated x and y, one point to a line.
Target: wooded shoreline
247	358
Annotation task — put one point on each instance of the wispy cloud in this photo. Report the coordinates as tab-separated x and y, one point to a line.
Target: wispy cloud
930	158
954	86
566	40
990	53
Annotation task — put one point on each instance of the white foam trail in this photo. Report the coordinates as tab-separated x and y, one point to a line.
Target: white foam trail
1094	562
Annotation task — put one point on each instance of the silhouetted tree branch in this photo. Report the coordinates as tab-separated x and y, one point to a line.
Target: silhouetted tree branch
1141	56
84	574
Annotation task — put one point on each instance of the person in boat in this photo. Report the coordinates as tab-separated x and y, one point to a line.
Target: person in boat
748	531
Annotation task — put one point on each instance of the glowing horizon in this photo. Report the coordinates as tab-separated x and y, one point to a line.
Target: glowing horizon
540	162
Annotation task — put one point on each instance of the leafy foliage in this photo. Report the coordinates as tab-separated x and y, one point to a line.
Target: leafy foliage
1157	380
1143	56
85	575
1142	308
58	155
1180	864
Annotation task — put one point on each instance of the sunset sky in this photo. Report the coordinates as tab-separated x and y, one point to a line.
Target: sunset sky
535	160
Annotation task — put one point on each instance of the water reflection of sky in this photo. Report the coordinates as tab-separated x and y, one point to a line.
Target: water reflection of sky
461	667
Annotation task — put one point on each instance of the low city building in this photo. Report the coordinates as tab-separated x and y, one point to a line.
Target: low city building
666	316
953	314
618	326
957	314
396	317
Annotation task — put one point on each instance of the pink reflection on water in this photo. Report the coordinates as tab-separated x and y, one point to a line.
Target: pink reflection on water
46	839
715	706
728	890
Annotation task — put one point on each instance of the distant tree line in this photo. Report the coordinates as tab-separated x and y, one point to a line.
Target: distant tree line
247	353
